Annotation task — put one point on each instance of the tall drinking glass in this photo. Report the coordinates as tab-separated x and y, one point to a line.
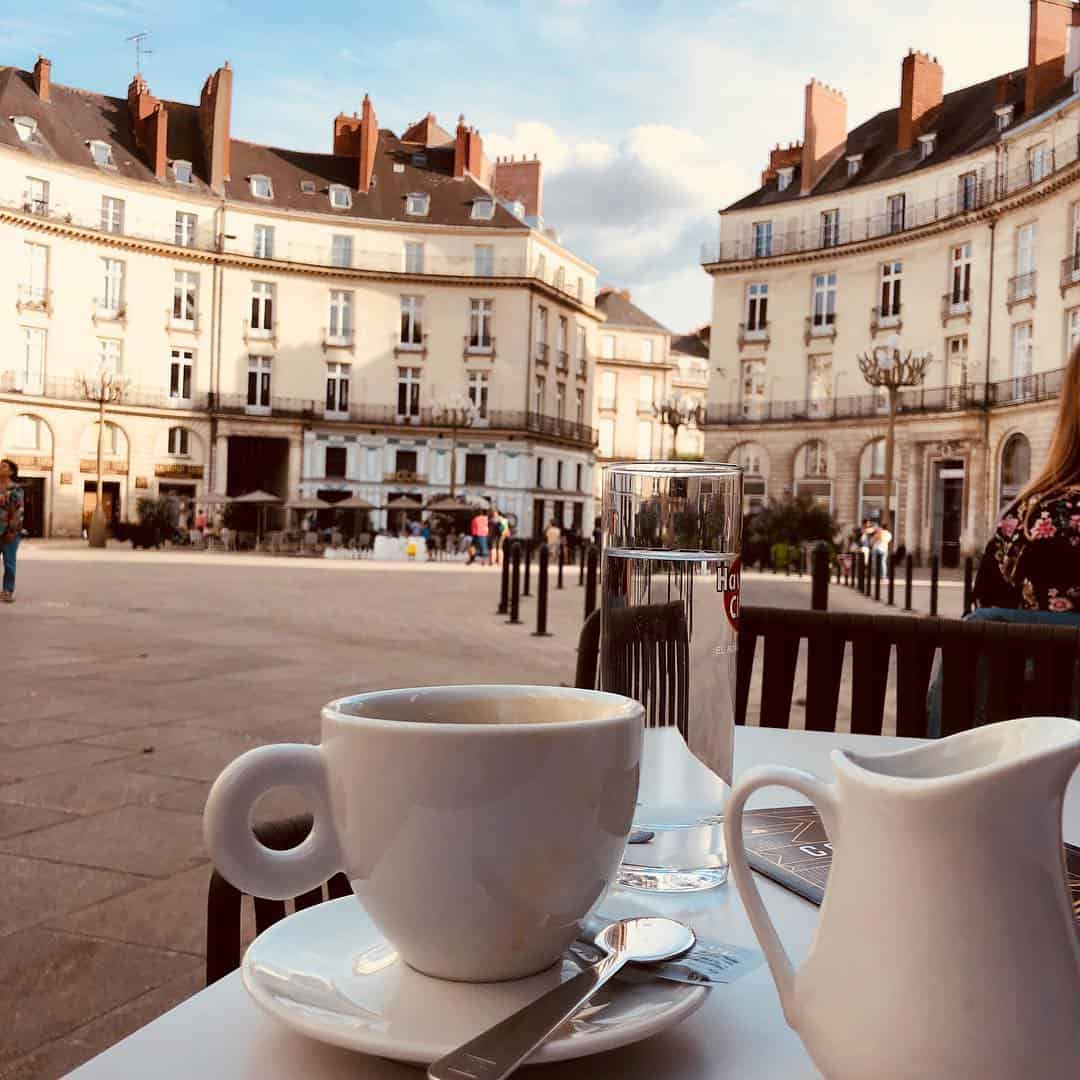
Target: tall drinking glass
672	534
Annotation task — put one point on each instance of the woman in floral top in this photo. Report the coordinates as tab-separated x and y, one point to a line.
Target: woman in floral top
1033	559
11	523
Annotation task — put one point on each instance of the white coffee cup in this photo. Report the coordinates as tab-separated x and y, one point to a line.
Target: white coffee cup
477	824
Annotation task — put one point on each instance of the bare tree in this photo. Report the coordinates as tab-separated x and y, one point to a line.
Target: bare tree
888	367
456	412
105	387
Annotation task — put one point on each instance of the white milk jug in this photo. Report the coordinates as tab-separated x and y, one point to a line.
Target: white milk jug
947	945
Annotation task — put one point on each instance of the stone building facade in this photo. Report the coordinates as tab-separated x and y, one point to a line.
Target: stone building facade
950	224
307	324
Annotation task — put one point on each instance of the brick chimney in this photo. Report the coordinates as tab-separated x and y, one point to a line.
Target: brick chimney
358	137
922	81
215	119
1048	42
149	124
825	132
43	78
781	157
468	152
520	181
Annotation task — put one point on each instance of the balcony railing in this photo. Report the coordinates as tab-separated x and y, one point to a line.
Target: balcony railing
562	360
1019	390
819	326
788	238
955	305
405	476
540	352
582	367
1022	287
32	298
203	238
756	333
12	382
1070	270
481	346
885	318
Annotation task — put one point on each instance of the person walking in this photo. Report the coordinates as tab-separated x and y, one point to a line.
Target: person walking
479	530
11	523
882	542
1032	561
553	537
496	529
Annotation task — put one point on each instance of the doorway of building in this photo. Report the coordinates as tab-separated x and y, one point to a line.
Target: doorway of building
948	511
257	464
33	489
538	519
110	499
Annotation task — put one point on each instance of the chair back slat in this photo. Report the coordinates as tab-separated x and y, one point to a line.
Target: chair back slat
588	650
914	666
268	912
958	686
778	679
744	670
870	673
824	671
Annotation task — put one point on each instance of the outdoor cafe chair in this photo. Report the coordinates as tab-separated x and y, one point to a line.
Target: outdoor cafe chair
224	902
1025	669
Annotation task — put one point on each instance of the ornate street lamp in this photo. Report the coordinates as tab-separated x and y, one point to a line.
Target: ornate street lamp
888	367
104	387
457	411
676	411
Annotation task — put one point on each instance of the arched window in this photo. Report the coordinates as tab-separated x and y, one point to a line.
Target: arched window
755	465
812	472
872	481
1015	468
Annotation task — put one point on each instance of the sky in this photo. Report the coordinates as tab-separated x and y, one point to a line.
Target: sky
648	117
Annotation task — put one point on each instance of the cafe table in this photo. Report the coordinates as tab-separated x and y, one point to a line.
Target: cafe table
738	1032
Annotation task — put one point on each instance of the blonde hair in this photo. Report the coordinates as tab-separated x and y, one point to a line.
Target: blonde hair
1062	468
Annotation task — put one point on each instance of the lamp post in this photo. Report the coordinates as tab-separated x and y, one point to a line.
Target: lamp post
457	411
888	366
676	411
104	387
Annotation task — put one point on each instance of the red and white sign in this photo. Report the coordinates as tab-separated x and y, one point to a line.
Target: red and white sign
727	582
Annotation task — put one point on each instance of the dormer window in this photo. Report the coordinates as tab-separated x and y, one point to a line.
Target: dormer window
340	197
783	178
854	165
417	204
25	127
261	187
483	209
927	145
1003	116
419	158
182	171
101	152
307	187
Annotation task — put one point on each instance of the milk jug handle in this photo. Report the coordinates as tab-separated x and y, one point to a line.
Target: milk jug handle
240	858
821	796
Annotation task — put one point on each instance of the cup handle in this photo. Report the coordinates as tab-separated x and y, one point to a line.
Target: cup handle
242	860
821	795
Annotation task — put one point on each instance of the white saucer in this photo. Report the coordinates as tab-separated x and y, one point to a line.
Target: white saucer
329	973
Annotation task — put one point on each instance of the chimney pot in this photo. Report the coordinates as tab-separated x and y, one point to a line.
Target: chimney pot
921	92
825	133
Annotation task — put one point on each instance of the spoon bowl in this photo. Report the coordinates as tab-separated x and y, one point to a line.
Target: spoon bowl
646	940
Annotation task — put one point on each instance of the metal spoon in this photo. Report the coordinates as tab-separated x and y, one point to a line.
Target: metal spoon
497	1052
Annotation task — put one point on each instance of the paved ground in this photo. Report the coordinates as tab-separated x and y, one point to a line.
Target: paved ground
130	680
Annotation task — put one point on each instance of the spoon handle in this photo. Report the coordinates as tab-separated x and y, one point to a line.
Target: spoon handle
497	1052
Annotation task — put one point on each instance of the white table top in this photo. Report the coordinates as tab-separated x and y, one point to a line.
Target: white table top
739	1032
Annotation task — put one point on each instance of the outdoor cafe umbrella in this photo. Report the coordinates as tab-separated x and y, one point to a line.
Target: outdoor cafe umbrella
354	503
403	503
305	503
260	499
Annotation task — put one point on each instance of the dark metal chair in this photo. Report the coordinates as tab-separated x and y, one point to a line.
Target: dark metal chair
648	660
1028	670
224	902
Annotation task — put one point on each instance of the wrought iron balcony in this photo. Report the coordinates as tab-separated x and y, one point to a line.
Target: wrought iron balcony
819	326
885	318
1022	287
1070	271
956	305
753	333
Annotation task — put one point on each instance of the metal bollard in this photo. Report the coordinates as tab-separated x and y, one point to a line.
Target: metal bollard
528	566
504	587
860	569
819	583
542	560
933	585
562	561
582	552
908	563
868	582
892	581
969	587
877	578
515	586
590	581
